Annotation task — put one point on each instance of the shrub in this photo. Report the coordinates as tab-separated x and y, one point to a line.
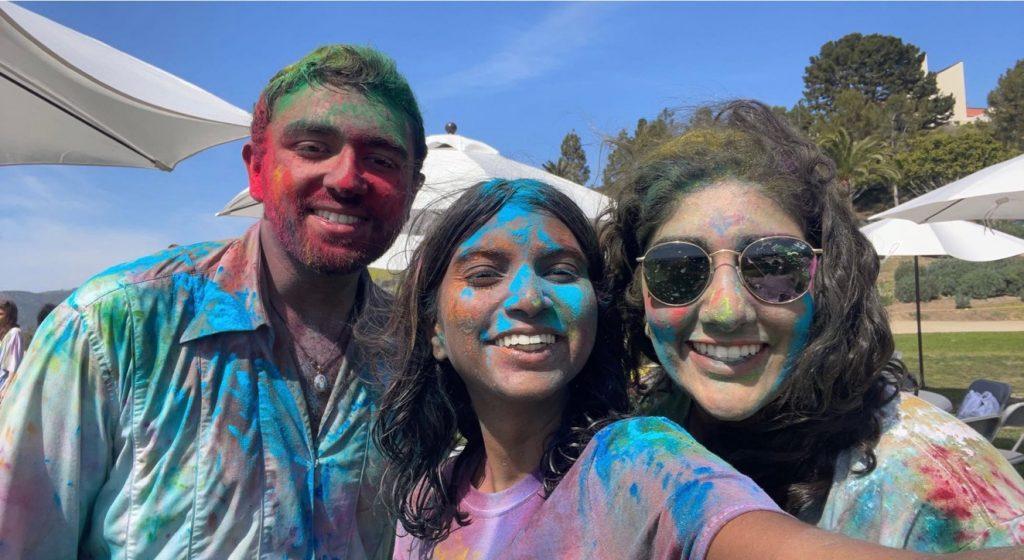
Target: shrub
963	301
982	283
949	277
905	286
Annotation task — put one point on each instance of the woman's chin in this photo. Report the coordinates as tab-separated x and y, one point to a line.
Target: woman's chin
730	414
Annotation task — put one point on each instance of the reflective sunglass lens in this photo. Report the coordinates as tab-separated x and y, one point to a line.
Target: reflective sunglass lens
777	269
676	273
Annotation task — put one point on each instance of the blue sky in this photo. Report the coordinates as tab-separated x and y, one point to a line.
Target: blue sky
517	76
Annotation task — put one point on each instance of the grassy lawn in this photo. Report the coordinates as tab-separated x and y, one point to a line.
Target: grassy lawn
953	360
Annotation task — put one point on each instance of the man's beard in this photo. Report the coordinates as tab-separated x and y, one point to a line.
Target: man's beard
292	236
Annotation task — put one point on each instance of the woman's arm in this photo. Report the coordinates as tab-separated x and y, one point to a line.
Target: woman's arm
767	535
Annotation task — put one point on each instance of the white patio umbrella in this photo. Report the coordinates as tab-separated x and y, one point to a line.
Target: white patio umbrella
963	240
68	98
454	163
994	193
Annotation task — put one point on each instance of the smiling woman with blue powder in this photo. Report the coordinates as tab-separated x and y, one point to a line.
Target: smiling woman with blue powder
502	339
741	272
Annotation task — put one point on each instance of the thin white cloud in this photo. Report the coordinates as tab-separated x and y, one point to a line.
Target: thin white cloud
45	255
547	46
57	229
57	193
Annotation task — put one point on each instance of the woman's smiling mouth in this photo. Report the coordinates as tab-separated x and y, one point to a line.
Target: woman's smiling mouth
526	342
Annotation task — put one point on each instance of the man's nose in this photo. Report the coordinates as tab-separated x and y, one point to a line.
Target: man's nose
726	304
345	175
526	293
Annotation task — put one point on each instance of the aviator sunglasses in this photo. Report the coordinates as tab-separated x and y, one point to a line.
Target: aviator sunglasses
776	269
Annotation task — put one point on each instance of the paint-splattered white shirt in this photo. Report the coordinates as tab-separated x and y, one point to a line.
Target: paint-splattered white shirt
150	420
938	486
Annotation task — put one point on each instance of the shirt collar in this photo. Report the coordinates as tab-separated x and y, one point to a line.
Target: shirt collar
227	298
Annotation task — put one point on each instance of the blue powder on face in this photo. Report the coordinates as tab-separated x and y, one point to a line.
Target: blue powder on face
801	332
517	220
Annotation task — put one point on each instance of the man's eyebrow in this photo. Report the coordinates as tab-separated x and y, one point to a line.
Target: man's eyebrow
326	129
310	127
385	143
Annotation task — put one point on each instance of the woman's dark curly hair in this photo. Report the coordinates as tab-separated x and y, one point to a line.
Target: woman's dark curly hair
426	410
832	399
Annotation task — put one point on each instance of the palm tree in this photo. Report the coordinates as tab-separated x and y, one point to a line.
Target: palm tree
559	167
859	163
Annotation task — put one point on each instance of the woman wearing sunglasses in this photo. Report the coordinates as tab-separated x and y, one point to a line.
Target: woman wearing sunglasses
746	279
501	339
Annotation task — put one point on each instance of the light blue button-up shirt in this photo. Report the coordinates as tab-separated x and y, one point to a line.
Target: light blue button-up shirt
150	420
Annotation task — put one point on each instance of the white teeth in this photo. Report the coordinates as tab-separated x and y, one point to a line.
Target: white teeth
338	218
726	353
525	340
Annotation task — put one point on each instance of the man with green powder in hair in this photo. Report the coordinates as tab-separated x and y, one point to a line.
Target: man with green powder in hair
207	401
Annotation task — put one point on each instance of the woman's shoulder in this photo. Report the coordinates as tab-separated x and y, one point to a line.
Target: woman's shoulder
913	426
645	434
643	488
939	479
649	445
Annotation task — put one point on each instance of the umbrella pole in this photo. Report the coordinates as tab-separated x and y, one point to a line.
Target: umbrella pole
917	301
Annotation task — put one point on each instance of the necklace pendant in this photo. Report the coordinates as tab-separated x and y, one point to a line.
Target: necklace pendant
320	383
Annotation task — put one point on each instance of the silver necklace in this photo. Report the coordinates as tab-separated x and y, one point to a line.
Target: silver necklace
320	378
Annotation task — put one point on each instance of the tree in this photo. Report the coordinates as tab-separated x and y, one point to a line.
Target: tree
572	164
626	149
940	157
886	73
859	163
1006	107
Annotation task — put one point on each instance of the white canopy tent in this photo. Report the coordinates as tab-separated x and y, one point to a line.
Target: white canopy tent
453	164
68	98
963	240
994	193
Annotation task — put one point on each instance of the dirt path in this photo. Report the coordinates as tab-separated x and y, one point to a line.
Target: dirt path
909	327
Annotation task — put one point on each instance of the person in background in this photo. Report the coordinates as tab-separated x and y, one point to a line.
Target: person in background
44	312
11	344
503	338
743	275
205	402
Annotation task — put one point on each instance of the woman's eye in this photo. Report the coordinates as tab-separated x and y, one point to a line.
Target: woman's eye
564	273
481	277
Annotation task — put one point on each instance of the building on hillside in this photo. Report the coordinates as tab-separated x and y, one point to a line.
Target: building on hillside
951	81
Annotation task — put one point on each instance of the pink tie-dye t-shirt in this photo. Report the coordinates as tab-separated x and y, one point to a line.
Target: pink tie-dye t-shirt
643	488
497	519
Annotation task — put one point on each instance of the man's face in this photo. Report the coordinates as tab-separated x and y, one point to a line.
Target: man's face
335	176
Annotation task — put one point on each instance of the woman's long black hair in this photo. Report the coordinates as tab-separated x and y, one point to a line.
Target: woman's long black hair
833	398
426	411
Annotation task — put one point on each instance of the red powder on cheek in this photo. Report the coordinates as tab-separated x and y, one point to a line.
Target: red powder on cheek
666	316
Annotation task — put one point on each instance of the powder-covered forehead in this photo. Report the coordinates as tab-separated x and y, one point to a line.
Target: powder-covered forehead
317	106
519	220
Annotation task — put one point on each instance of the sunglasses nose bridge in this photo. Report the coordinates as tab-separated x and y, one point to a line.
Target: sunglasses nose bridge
726	302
